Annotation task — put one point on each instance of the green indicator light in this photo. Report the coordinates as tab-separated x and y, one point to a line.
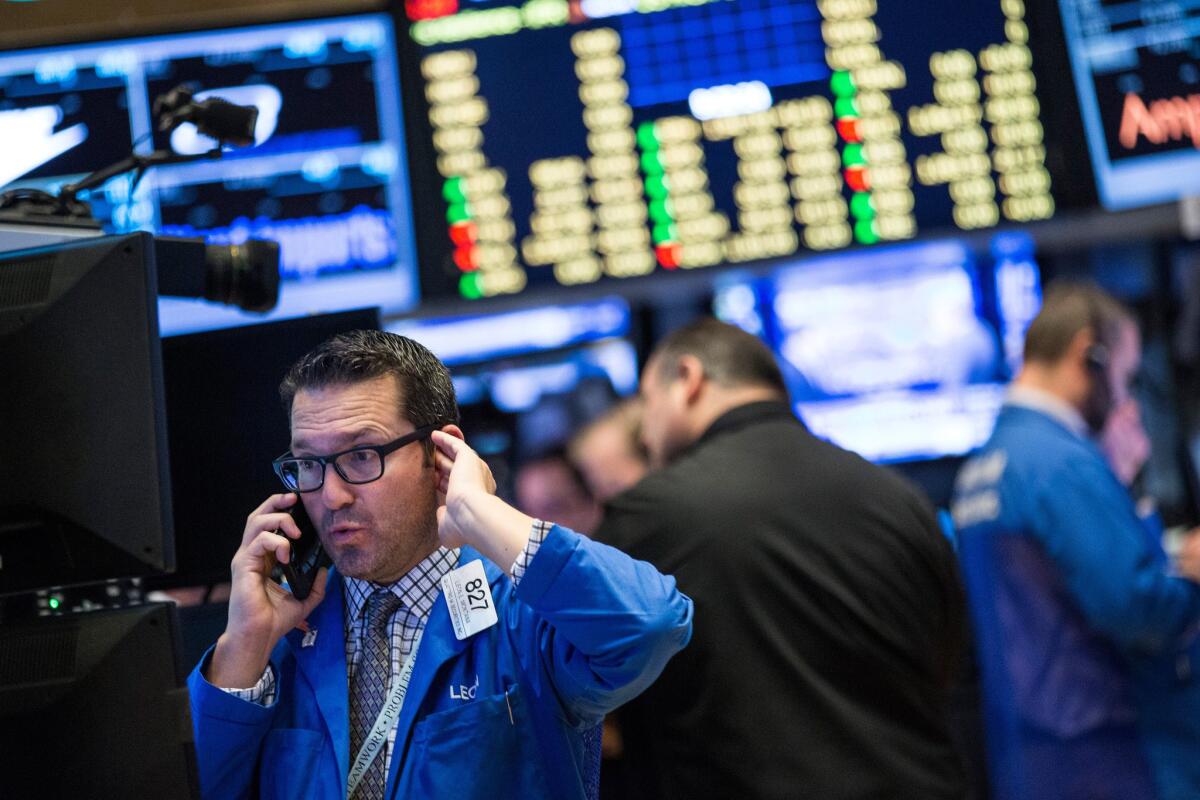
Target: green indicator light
664	232
662	212
468	286
647	139
853	156
865	233
842	84
54	602
454	191
845	107
861	207
458	212
650	163
656	187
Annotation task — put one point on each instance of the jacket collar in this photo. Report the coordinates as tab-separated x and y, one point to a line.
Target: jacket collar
1048	405
743	416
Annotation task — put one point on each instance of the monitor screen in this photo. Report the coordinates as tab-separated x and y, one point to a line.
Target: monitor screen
562	142
326	177
1137	72
526	380
901	353
84	480
93	705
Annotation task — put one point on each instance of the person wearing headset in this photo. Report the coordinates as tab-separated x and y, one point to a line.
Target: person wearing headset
1087	633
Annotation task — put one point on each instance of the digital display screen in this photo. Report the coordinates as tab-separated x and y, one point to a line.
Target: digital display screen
527	379
1137	73
571	141
472	339
326	177
901	353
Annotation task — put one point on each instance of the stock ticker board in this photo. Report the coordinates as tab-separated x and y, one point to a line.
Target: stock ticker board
577	140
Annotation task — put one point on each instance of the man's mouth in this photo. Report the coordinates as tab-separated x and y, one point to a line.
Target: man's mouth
344	533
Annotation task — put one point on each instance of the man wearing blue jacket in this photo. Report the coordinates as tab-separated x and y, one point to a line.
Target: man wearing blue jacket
1087	633
458	648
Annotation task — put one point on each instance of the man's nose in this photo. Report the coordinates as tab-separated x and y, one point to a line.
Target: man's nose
335	492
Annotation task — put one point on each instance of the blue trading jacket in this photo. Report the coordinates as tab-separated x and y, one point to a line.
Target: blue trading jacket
500	714
1087	642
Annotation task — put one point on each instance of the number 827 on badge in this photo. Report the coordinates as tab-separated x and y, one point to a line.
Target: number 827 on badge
469	599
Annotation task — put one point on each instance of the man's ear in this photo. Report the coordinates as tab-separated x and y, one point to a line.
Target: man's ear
431	449
454	431
690	374
1081	344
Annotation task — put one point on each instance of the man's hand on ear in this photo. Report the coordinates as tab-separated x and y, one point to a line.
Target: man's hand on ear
1124	441
471	513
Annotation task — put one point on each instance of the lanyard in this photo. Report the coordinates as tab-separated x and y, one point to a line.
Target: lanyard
386	720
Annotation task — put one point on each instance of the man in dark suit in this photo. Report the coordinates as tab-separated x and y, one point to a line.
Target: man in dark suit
829	612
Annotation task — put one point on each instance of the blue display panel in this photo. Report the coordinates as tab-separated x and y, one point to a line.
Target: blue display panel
468	339
515	359
897	354
1137	71
326	177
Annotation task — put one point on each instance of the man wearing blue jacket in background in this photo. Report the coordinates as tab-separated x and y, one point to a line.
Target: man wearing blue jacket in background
1087	633
458	648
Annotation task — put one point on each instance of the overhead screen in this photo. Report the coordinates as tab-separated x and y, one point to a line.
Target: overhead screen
900	353
570	343
327	178
568	141
525	380
1137	71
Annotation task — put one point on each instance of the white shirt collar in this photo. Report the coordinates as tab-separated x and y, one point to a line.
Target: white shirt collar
1050	405
418	588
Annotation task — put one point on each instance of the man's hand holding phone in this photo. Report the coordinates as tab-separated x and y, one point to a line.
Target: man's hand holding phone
260	610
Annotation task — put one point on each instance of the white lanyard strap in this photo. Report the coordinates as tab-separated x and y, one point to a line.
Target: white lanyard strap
373	745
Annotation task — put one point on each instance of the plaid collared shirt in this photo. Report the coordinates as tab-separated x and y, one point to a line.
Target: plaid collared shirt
418	589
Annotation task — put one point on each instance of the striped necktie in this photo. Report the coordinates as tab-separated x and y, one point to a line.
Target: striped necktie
369	688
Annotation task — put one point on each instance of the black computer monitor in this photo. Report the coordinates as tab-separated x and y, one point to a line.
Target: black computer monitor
91	705
84	492
225	424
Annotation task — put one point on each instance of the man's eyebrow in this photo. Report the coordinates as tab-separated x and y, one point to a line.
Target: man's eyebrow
347	439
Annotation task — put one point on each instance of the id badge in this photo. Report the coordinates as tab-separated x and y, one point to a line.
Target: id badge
469	599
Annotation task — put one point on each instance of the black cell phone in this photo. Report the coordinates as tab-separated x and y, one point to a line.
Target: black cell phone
307	557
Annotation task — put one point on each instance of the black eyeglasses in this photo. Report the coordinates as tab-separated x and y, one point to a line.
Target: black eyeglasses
356	465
